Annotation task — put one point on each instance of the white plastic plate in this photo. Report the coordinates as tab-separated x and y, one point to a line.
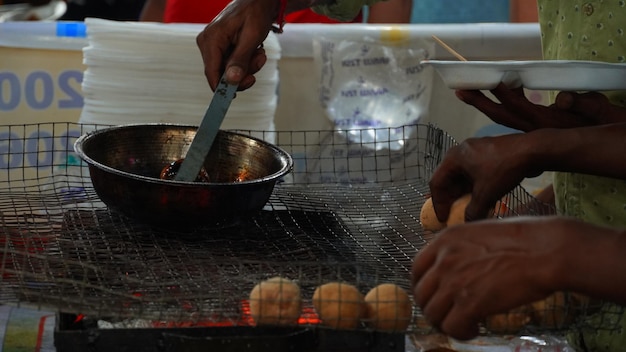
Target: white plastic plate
565	75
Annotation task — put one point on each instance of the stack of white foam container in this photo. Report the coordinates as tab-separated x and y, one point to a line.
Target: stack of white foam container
141	72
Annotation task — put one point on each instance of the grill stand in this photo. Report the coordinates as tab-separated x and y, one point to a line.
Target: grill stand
70	336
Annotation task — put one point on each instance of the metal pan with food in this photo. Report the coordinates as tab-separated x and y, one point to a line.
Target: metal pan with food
126	165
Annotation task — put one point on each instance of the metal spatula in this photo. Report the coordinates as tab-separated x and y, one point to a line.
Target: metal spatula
205	136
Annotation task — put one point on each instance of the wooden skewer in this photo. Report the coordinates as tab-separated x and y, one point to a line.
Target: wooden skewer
449	49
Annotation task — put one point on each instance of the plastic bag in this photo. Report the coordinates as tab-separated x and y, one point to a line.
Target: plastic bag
373	84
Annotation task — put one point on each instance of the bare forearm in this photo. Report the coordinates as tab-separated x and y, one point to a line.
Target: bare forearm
390	11
597	150
598	268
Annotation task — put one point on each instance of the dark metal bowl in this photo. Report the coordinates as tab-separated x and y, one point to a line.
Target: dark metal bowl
125	163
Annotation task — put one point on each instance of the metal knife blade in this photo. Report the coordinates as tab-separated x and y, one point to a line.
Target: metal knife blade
205	136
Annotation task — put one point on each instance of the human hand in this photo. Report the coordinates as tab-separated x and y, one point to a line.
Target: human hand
569	110
487	167
472	271
232	42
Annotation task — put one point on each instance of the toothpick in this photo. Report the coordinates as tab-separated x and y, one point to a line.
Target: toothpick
449	49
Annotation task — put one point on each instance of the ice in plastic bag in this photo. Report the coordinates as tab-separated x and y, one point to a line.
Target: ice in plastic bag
370	84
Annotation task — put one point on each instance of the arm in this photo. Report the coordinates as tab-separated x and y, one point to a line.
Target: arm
231	42
595	150
472	271
153	11
490	167
390	11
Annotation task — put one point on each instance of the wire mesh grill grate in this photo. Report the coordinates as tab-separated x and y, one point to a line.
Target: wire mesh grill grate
349	211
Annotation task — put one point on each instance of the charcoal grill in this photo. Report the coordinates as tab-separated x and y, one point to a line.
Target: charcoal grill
349	212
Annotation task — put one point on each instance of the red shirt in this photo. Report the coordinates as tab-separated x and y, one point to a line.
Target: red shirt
203	11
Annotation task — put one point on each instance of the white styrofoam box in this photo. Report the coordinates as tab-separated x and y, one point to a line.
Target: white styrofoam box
150	72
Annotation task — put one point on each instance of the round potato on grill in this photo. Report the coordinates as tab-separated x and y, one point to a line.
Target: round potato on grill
339	305
388	308
275	301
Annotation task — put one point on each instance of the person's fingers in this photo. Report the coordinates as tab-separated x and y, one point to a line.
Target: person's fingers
443	198
438	287
590	103
246	83
449	310
594	106
232	44
458	324
441	205
481	204
210	49
520	113
240	69
473	97
258	61
437	308
245	58
424	285
424	289
512	96
495	111
564	100
236	72
448	183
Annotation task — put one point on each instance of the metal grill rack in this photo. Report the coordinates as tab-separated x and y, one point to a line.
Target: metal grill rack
349	211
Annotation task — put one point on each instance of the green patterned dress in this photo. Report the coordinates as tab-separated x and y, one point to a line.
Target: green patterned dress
590	30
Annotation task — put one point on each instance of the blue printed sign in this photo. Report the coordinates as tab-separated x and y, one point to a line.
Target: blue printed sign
41	90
